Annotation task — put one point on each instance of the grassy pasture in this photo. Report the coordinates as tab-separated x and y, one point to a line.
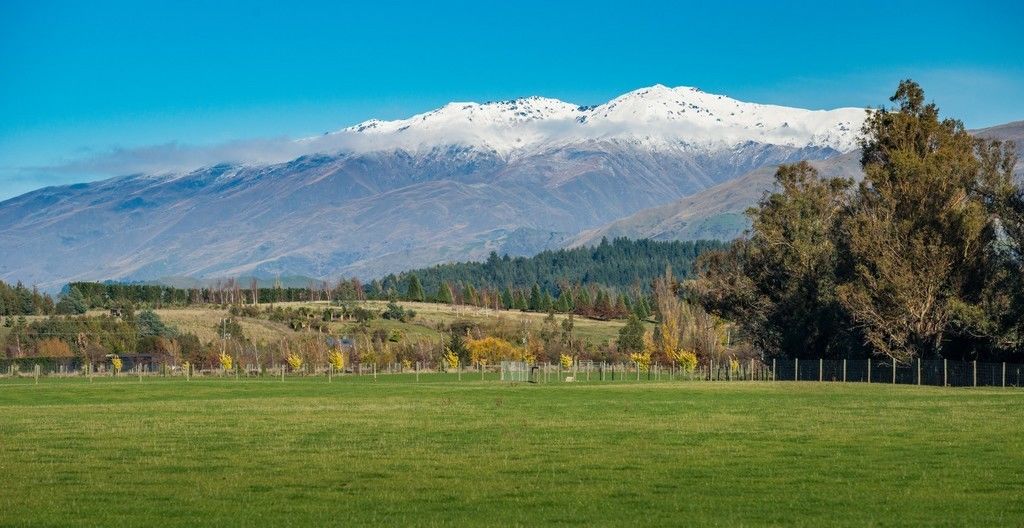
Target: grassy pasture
202	321
223	452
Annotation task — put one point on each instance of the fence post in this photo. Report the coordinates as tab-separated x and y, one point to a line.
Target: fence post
869	370
918	371
417	371
1004	374
796	369
821	365
36	371
773	369
894	371
974	364
844	370
945	372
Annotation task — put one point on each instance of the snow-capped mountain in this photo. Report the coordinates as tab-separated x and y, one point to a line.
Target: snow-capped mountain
382	196
655	116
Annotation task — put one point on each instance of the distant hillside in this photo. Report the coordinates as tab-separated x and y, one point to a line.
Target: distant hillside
713	214
717	212
620	263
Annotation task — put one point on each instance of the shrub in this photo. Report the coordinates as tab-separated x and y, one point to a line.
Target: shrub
642	360
687	361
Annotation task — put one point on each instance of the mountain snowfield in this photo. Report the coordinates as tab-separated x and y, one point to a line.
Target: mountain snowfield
455	183
655	116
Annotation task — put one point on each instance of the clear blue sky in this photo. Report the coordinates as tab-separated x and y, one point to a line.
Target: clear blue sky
79	79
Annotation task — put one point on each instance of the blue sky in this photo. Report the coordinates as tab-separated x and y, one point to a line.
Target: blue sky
79	80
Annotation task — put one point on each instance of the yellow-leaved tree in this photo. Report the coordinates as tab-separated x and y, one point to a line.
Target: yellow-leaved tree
294	361
451	358
566	361
116	363
226	361
337	360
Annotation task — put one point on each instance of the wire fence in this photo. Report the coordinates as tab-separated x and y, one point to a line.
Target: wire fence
935	372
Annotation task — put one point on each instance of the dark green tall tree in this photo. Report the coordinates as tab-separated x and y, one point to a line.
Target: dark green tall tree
520	302
444	294
536	303
507	301
72	303
415	289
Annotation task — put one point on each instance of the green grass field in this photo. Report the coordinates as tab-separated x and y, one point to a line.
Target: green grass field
219	452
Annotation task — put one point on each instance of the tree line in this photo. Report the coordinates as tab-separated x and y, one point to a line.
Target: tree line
619	264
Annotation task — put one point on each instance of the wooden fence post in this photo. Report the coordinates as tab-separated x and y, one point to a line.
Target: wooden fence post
945	372
844	370
918	371
869	370
773	369
894	371
796	369
974	364
821	368
1004	374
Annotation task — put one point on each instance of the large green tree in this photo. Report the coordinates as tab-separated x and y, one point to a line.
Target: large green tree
780	285
920	228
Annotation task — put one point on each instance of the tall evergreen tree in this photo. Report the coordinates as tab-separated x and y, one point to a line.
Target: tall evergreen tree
444	294
536	303
520	301
415	290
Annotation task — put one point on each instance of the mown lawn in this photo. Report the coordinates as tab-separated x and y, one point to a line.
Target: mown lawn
440	452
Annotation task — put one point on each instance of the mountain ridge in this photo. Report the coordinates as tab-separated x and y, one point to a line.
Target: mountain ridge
403	194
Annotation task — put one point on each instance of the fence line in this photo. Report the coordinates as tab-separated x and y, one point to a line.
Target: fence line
935	372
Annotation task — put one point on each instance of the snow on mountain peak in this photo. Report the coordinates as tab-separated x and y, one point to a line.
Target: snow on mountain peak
657	115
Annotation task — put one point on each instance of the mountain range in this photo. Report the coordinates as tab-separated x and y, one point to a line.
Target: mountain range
452	184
